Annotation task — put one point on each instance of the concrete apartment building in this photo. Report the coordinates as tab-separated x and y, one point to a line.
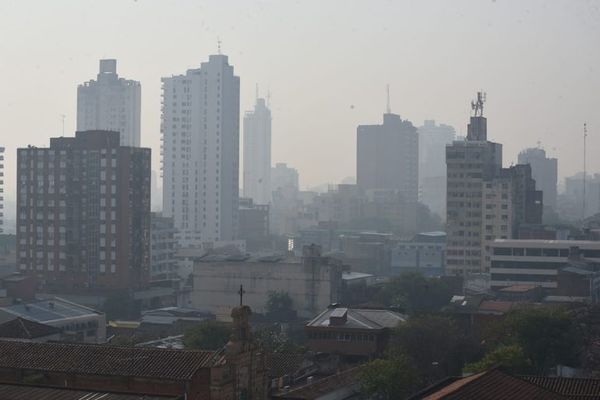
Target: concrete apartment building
110	103
433	139
484	200
549	264
200	134
257	153
163	263
545	172
254	225
388	157
313	282
83	213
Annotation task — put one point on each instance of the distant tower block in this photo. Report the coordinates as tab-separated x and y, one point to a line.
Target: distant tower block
110	103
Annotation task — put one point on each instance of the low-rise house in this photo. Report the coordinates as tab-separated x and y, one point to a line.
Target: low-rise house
26	330
77	323
358	333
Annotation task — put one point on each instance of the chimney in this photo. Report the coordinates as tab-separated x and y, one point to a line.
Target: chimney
338	317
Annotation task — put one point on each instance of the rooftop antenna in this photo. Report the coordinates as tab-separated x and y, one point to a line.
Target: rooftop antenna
477	105
269	98
63	116
256	92
219	45
388	108
584	167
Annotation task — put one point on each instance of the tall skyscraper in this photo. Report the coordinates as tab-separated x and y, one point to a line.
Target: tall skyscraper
545	172
110	103
433	139
200	133
83	213
387	166
472	165
388	157
257	153
484	201
1	189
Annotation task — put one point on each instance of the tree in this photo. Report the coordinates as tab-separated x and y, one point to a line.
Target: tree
414	293
393	378
510	357
280	306
548	336
207	335
435	345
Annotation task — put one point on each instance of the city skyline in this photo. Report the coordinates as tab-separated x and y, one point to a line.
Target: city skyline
512	41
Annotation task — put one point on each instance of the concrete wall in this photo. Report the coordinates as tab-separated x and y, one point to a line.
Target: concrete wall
311	285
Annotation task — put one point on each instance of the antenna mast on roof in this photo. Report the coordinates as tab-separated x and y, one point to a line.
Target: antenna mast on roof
584	167
477	105
219	45
388	107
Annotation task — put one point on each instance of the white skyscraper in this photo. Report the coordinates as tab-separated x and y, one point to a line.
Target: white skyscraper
257	153
200	133
110	103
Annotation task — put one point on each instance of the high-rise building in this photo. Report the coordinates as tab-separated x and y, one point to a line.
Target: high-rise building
257	153
545	172
470	164
484	201
388	157
83	213
110	103
1	189
387	167
432	165
200	133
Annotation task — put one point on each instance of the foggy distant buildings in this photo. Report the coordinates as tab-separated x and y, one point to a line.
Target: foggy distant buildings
545	172
257	153
572	205
484	201
388	163
110	103
200	133
388	156
1	189
286	204
432	165
83	213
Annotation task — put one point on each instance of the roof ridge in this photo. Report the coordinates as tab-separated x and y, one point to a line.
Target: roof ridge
24	327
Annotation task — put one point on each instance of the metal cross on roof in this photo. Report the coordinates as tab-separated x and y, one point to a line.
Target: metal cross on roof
241	293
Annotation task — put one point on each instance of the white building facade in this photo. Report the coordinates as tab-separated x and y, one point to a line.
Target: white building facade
200	133
110	103
257	153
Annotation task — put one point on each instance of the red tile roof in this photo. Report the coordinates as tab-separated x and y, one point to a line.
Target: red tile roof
105	360
20	328
492	385
573	388
25	392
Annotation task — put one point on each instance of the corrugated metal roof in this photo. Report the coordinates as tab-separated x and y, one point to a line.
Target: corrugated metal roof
104	360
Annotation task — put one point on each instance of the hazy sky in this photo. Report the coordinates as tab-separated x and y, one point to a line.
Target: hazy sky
326	64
